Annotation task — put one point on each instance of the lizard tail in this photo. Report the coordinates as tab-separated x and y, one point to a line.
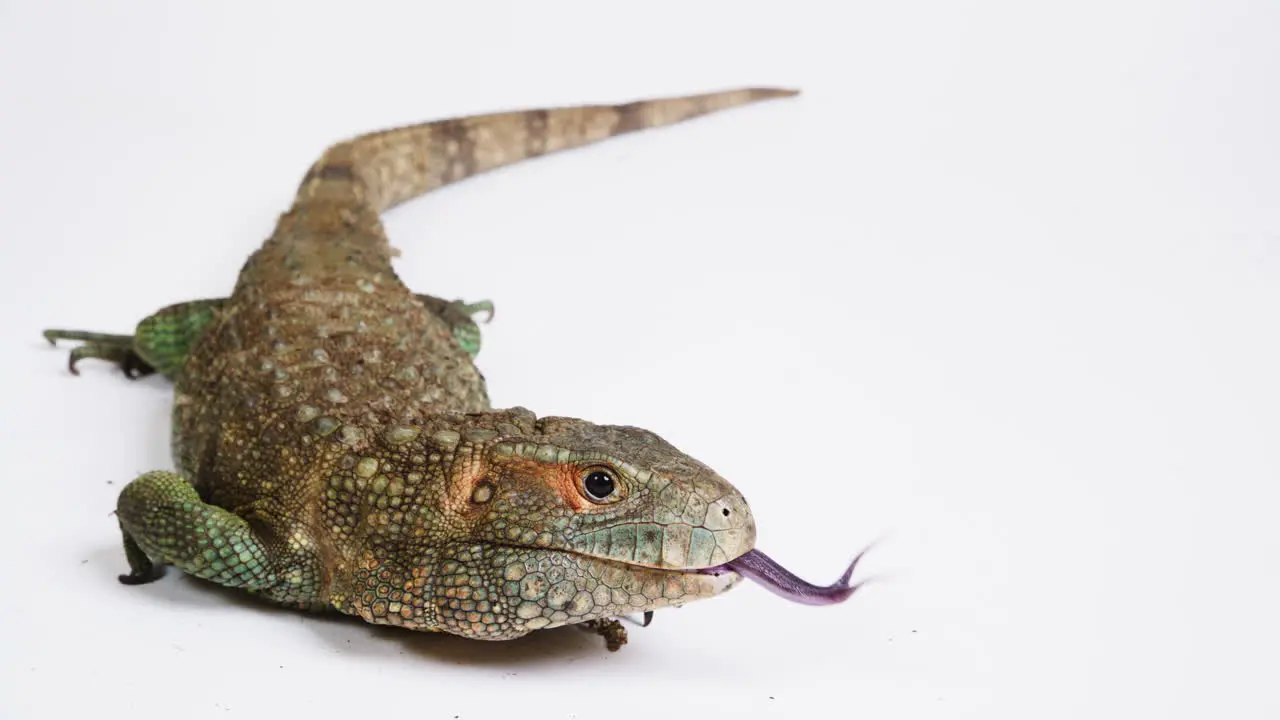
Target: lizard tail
384	169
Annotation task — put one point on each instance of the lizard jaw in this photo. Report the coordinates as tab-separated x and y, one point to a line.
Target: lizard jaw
721	577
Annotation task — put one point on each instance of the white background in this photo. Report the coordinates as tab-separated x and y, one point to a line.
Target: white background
1000	288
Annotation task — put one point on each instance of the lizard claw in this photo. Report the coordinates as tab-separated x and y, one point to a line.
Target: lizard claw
142	578
483	306
135	367
112	348
644	620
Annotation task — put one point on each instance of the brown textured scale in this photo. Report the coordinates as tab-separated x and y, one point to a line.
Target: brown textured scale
343	447
393	166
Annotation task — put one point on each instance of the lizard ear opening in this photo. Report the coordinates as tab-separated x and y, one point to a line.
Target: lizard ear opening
482	492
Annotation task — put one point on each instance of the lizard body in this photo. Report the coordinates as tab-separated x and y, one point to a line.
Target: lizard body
336	447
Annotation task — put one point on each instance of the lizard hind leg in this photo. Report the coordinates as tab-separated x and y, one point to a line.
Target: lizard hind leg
165	338
117	349
459	316
164	521
160	343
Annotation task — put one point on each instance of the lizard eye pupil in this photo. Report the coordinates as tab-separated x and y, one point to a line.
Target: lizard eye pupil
598	484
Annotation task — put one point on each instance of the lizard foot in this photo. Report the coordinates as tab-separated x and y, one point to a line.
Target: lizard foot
469	309
133	578
615	636
141	569
112	348
457	314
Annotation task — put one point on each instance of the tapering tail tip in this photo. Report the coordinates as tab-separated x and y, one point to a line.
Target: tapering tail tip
386	168
767	93
666	111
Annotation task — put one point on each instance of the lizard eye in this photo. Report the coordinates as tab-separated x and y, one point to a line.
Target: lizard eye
598	484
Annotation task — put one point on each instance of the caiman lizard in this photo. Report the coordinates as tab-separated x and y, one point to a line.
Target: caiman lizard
335	445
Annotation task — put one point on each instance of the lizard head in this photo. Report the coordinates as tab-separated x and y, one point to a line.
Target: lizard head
563	521
492	525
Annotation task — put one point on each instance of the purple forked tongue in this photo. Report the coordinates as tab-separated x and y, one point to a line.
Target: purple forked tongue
761	568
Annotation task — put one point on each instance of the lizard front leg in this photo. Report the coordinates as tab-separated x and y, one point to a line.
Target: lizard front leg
165	521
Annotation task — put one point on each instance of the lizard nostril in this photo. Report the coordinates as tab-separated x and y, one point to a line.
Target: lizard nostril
726	512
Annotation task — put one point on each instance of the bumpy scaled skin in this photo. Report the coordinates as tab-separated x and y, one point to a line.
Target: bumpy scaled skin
479	525
335	443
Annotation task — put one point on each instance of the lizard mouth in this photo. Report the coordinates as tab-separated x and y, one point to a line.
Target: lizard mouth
763	569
